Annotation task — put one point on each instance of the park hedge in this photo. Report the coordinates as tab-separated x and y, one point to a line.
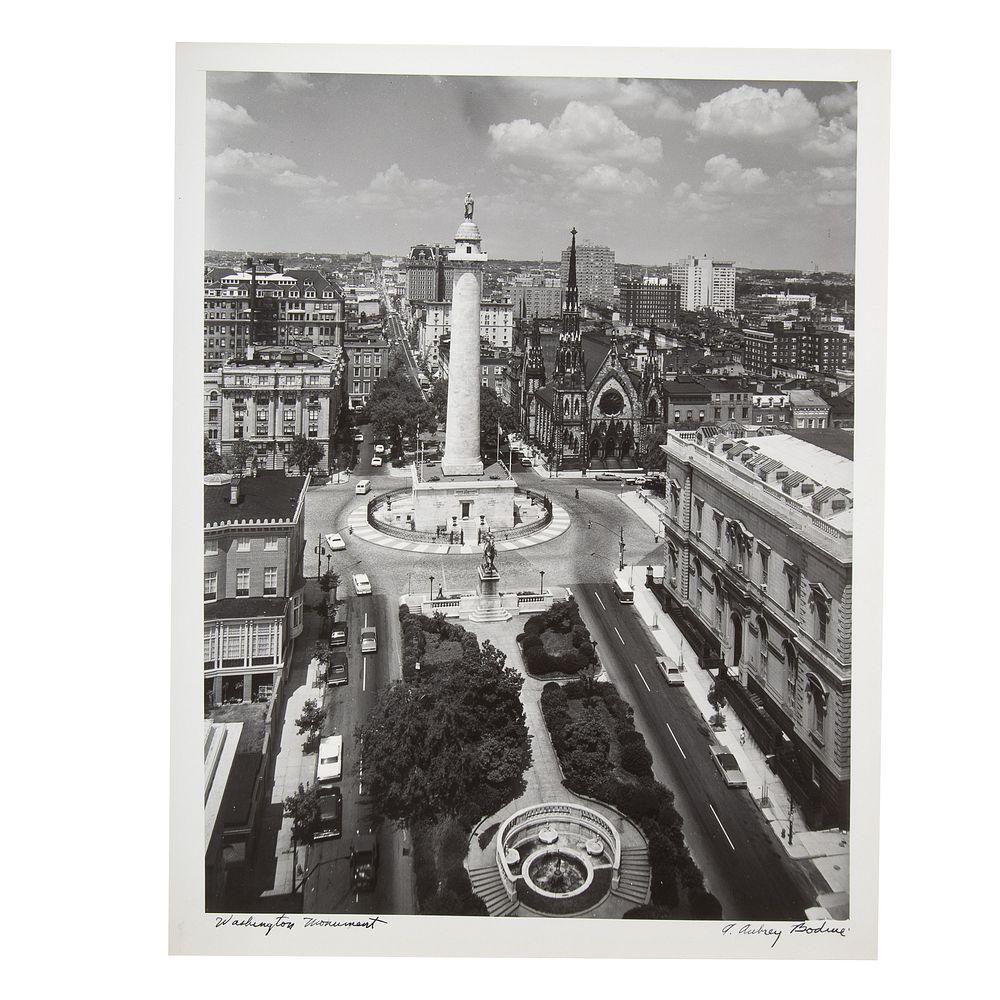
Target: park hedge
563	618
584	755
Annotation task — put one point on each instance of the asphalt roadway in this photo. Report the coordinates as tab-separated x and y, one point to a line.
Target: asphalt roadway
744	865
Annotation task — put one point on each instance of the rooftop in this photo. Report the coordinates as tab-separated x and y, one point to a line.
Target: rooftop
268	496
818	463
245	607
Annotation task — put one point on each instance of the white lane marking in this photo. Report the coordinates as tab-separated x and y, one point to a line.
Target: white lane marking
617	633
599	601
638	671
679	747
364	672
721	827
366	619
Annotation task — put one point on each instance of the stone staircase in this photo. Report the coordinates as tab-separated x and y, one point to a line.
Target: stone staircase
489	887
634	875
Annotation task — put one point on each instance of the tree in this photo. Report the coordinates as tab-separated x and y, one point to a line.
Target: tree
397	407
240	455
717	699
492	410
303	809
311	721
305	453
213	460
439	398
656	460
328	582
591	668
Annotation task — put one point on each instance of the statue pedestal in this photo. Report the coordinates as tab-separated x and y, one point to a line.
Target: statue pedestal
489	602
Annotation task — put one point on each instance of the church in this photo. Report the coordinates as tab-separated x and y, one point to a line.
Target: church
593	412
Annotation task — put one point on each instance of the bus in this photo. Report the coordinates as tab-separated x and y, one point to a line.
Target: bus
623	589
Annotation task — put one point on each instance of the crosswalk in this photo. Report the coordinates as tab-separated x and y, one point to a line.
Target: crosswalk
360	528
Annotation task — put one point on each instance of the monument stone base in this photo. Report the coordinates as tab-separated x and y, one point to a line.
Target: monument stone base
461	469
465	505
489	601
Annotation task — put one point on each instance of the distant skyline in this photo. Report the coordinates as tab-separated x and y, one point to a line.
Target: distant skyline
759	172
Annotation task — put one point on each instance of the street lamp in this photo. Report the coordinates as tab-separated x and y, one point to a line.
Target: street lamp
621	548
541	581
432	588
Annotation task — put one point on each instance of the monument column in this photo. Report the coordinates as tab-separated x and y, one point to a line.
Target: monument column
461	446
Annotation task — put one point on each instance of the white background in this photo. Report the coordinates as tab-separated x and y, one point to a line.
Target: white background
88	102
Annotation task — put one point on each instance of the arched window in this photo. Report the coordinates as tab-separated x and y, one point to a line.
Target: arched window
762	657
791	672
817	696
651	411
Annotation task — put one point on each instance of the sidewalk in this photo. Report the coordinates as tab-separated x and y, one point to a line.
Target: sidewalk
291	768
646	507
828	850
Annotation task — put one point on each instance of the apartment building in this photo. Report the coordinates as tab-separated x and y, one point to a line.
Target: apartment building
595	272
705	283
265	304
367	362
253	582
649	300
496	327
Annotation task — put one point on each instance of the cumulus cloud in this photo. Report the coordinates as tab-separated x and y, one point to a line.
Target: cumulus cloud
838	185
392	189
749	112
833	141
603	178
283	83
220	113
583	135
663	99
843	104
271	168
725	179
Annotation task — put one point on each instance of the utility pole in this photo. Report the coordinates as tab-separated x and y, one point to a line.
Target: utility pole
621	549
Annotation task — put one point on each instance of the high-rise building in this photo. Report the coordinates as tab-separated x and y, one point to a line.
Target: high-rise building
428	273
595	272
496	327
534	295
262	303
705	283
651	300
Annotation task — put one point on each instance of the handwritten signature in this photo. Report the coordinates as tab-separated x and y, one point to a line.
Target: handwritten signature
284	922
775	933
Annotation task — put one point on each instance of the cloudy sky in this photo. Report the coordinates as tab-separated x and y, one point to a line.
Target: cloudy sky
761	172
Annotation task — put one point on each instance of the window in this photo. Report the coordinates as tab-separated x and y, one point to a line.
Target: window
297	612
817	713
211	586
211	645
762	627
211	547
270	544
265	640
243	545
822	618
763	568
233	642
243	582
270	581
793	590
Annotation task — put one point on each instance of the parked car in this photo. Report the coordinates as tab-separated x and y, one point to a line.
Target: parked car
331	814
359	437
335	541
369	641
330	763
338	634
605	477
364	486
380	449
526	463
364	861
376	461
728	767
337	673
362	585
672	673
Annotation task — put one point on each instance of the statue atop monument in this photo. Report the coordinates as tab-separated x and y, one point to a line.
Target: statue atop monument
489	555
469	205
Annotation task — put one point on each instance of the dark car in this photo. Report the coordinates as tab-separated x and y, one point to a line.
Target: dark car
337	672
331	812
338	634
364	861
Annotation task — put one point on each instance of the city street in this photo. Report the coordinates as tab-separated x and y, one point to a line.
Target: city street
742	863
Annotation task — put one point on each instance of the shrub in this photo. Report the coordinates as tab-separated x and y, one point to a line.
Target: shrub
646	912
627	737
704	906
636	759
530	642
452	842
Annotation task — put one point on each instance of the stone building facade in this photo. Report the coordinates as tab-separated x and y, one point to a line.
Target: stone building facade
758	556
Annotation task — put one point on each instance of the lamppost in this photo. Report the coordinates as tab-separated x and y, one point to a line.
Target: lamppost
432	588
541	581
621	549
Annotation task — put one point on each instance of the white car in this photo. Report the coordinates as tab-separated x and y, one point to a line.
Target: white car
363	486
380	449
335	541
362	585
359	437
671	672
369	640
330	765
377	461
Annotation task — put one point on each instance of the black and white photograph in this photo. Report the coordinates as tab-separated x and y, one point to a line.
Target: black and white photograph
532	392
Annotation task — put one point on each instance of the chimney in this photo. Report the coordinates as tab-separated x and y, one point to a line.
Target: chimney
234	492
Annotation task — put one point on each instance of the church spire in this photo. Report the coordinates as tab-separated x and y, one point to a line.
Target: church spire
572	295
